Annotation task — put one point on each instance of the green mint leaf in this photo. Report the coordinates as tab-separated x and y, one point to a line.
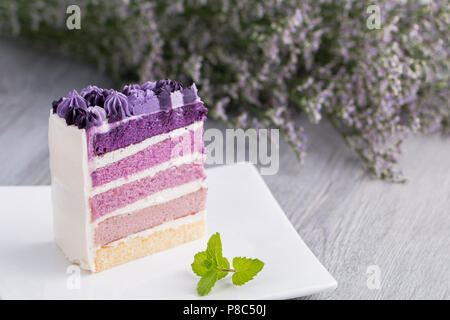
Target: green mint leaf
201	265
223	264
207	282
211	266
214	250
246	269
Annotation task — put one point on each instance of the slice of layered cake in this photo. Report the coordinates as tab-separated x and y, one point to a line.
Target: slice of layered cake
127	172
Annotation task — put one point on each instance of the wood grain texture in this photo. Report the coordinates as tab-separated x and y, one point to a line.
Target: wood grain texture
349	220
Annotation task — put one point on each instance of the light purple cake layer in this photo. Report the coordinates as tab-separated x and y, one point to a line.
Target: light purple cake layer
189	142
119	227
131	131
126	194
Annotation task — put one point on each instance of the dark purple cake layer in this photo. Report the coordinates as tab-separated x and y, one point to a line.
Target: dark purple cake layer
137	130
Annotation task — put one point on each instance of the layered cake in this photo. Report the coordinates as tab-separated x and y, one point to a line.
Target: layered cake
127	171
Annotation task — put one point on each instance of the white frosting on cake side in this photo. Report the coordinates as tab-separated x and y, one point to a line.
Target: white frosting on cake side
69	174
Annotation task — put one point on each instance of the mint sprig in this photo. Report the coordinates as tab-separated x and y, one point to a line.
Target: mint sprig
211	266
246	269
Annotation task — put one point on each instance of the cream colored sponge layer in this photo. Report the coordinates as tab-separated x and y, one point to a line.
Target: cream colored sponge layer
138	247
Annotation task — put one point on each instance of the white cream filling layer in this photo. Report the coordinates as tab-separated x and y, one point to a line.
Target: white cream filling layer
155	199
201	215
116	155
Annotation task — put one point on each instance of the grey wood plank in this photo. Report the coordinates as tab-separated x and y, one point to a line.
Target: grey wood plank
349	220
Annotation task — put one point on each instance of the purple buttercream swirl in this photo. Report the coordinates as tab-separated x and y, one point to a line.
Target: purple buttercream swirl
130	88
166	85
163	89
148	85
55	104
189	94
94	95
93	116
143	102
70	107
93	105
116	107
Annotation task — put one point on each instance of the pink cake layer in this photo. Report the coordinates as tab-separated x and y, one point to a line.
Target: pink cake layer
188	143
126	194
119	227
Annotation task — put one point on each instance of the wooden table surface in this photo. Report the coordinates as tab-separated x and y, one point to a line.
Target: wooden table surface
354	224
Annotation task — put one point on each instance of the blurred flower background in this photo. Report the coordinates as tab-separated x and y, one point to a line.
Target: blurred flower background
261	64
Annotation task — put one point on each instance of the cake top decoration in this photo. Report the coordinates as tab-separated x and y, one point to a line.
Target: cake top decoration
94	96
93	105
143	101
116	107
92	116
131	87
71	106
95	116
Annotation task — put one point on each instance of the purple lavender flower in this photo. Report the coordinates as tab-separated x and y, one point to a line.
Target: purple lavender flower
268	62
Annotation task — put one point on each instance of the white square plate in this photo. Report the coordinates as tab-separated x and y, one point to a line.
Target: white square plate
240	207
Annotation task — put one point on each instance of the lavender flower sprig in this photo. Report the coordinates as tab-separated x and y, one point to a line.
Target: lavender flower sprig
263	63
